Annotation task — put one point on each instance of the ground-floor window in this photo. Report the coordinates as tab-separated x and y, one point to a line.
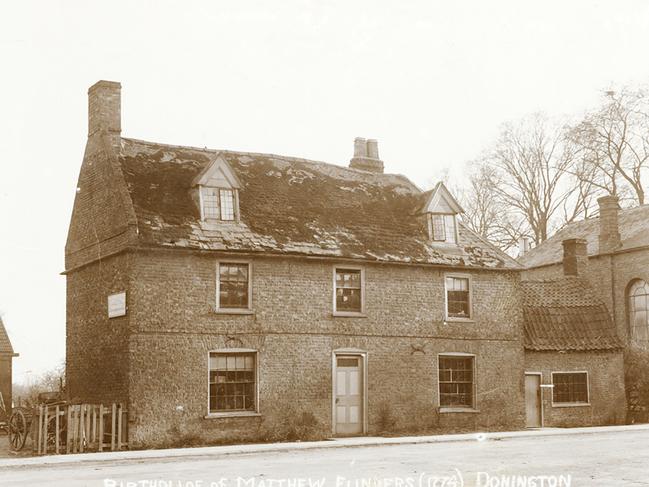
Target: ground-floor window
456	380
232	382
570	387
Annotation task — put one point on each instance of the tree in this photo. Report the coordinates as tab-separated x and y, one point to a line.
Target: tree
50	381
526	184
613	144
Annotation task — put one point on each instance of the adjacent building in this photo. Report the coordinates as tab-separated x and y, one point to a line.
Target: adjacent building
234	296
6	358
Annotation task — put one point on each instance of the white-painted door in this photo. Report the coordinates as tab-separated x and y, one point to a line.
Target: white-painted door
348	399
533	400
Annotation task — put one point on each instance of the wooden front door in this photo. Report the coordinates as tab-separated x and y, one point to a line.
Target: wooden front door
348	395
533	400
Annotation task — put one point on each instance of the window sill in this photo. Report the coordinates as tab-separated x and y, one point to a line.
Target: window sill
234	311
458	320
234	414
458	410
570	404
349	314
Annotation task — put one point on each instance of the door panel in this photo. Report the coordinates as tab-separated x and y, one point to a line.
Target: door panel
533	400
349	396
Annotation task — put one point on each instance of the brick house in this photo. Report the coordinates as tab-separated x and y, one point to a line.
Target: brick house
574	367
612	257
225	295
6	358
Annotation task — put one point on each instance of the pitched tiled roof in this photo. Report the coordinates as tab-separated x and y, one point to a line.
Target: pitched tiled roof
565	314
634	232
5	344
291	205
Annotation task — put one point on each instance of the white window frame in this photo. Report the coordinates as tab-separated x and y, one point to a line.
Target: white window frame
228	414
217	277
454	234
446	409
571	404
235	203
470	318
350	314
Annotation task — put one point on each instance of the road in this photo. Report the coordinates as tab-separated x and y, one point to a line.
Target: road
608	459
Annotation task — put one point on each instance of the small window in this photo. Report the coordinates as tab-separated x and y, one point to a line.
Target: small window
349	295
439	228
232	382
227	204
570	388
210	197
456	379
233	285
639	313
458	297
218	203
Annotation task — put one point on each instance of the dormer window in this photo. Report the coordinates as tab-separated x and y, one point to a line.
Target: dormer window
218	204
443	228
441	211
218	187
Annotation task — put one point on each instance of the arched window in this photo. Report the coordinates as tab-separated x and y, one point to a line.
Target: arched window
639	313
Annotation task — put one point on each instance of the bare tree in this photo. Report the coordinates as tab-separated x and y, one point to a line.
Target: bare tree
530	174
613	144
484	212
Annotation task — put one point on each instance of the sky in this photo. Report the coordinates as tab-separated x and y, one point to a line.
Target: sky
431	80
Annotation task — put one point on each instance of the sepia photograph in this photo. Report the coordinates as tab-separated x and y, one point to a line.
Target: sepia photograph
324	243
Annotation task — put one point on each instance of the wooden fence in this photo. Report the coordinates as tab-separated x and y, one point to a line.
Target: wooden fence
78	428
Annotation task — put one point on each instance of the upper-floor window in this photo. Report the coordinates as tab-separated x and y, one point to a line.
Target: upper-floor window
233	286
442	228
639	313
458	297
219	203
348	291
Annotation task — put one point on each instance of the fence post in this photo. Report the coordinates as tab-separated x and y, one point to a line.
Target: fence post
68	435
112	429
82	425
119	426
101	427
56	433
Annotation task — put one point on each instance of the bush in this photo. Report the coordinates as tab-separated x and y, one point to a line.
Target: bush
636	378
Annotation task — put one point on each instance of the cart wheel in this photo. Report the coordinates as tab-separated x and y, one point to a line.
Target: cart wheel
17	430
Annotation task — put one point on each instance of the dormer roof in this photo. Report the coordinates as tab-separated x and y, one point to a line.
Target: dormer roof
440	200
217	173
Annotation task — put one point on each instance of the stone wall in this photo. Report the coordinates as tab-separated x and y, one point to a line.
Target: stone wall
5	379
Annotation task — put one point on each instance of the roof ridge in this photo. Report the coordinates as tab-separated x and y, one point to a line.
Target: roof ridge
272	155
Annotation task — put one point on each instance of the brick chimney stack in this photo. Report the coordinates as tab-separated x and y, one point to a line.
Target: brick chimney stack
105	110
575	256
609	230
366	155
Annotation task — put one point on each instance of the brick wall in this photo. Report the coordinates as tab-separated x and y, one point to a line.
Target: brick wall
606	380
96	346
5	379
171	311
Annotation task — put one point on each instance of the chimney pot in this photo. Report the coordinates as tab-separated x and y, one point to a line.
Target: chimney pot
609	231
372	148
523	245
360	147
575	256
366	156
